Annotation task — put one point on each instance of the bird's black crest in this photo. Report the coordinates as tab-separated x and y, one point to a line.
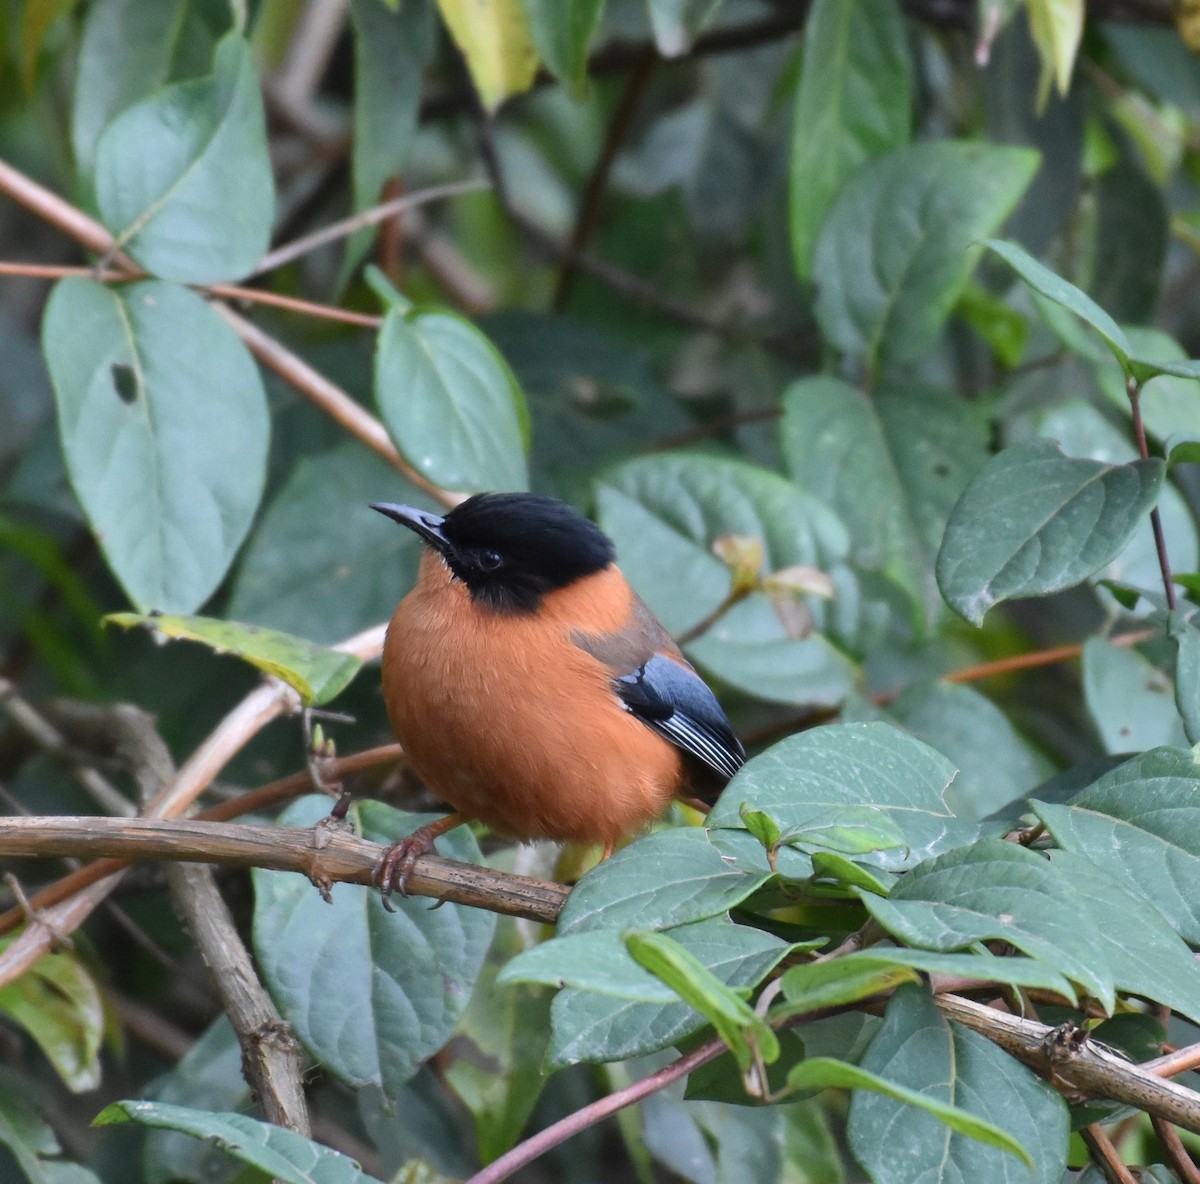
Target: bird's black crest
541	544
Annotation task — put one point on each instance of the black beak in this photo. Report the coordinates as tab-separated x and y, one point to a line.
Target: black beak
428	526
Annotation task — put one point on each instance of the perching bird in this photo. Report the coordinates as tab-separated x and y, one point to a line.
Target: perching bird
533	690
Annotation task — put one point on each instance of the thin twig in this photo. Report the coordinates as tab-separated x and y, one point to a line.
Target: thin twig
264	796
47	737
1133	389
593	194
1180	1161
372	217
625	283
1106	1157
264	704
1093	1071
1182	1060
558	1132
334	401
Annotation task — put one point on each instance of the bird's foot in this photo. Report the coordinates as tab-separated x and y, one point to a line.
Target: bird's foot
399	860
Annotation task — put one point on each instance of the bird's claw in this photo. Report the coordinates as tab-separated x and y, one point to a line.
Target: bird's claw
397	865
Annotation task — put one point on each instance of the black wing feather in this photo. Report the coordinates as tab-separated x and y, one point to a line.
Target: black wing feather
678	704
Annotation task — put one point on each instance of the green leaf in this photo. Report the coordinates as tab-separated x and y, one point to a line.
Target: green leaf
664	879
996	764
762	826
391	49
316	673
1130	700
920	1059
281	1154
164	426
501	1078
58	1003
816	985
835	448
853	103
592	393
892	255
1035	521
30	1139
562	31
1131	237
1170	404
1056	26
1043	281
1003	328
676	23
405	977
851	766
1021	972
129	49
665	512
209	1077
1140	823
300	576
1144	954
611	1008
994	890
828	865
183	178
450	402
1187	679
733	1018
494	37
1082	430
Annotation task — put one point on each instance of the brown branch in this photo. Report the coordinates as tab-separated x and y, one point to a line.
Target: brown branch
267	702
1092	1071
316	387
48	738
324	854
593	194
362	221
1181	1162
271	794
1106	1157
1182	1060
272	1062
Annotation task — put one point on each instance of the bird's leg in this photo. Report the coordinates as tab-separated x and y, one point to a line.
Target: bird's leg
608	850
697	804
397	863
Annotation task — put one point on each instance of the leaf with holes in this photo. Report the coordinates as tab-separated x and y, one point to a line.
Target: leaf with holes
164	427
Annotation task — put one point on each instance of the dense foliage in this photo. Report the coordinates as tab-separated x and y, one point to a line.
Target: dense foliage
863	330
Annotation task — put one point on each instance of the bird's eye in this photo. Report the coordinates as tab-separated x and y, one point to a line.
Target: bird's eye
490	560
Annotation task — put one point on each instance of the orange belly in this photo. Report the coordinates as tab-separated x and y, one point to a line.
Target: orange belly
482	707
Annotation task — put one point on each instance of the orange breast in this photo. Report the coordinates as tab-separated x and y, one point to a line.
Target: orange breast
511	723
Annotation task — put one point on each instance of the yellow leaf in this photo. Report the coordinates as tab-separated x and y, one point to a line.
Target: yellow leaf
494	37
1187	22
1056	26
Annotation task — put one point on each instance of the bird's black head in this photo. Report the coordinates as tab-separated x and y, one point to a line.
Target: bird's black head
510	549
